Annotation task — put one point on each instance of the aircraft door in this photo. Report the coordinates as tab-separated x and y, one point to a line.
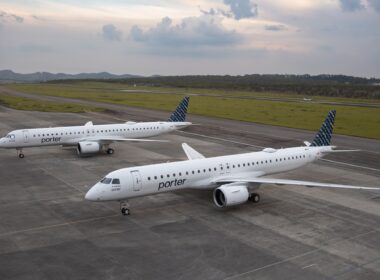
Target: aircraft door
136	177
25	136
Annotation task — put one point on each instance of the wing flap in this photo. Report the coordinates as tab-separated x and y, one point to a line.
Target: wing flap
296	183
119	139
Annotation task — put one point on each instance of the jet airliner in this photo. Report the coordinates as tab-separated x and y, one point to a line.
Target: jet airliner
233	177
91	138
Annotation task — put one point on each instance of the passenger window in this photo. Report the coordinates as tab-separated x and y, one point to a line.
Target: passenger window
117	181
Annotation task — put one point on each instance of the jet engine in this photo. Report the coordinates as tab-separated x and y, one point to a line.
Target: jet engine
229	195
88	147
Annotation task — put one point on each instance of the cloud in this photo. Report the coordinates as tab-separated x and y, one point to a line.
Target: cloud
351	5
4	17
375	4
242	8
275	27
191	32
111	33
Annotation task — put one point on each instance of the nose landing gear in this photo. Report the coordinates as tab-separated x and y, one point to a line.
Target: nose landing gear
124	208
20	154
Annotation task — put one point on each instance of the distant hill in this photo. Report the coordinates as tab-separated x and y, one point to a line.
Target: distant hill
10	76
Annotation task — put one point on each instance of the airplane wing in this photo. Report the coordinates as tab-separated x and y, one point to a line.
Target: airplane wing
292	182
191	153
110	139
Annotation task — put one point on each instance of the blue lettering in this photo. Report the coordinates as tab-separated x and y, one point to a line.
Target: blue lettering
169	184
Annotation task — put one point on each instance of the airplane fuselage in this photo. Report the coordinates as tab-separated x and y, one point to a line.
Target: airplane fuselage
200	173
72	135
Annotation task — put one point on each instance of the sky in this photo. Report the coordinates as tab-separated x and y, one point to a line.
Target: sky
182	37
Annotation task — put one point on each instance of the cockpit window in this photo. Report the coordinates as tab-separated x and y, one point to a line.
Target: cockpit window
116	182
10	136
106	180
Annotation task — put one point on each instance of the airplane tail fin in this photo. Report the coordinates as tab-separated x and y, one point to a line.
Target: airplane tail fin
179	115
323	138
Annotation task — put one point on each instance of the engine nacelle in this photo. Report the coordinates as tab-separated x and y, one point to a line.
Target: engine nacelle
88	147
228	195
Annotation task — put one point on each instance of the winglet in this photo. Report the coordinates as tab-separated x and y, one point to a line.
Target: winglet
179	115
323	138
191	153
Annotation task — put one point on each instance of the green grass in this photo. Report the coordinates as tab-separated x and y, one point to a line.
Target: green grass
355	121
28	104
76	89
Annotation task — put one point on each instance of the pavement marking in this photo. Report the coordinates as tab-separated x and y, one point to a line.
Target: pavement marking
352	165
59	225
297	256
314	264
60	179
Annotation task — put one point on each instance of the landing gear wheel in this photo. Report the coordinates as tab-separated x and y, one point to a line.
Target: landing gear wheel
125	211
254	197
19	153
110	151
124	208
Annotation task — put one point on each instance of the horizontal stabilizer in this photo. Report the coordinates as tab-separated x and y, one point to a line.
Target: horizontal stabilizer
191	153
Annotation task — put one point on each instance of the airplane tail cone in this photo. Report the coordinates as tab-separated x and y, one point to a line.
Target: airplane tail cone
179	115
323	138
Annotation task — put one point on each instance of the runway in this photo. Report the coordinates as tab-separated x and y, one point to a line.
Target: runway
48	231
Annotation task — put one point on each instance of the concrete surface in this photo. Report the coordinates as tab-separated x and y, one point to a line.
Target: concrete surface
48	231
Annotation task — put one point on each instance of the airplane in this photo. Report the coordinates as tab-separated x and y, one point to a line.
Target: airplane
232	177
90	138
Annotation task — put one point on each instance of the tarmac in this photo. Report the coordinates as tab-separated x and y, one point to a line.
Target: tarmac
48	230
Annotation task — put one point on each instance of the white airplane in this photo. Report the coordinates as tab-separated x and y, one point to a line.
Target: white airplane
91	138
231	176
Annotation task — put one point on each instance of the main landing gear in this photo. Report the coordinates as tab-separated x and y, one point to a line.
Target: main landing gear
110	151
124	208
20	154
254	197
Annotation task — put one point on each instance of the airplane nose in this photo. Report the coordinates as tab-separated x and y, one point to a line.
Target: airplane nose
92	194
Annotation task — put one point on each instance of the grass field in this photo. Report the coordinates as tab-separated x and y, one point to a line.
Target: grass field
20	103
356	121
